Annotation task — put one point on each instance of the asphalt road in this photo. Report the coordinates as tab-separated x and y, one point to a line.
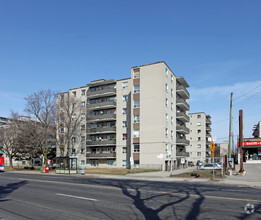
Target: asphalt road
31	196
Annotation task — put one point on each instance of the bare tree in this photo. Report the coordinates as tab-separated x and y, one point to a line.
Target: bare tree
9	136
70	114
42	106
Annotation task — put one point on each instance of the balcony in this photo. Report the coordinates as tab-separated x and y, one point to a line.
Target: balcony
181	103
101	130
182	129
91	155
208	134
102	105
208	122
182	141
104	117
102	142
101	93
208	128
182	116
182	91
182	154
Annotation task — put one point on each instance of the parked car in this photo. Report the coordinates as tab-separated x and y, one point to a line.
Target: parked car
219	164
191	164
209	166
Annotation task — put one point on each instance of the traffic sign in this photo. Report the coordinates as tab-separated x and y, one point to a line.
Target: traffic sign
212	154
212	146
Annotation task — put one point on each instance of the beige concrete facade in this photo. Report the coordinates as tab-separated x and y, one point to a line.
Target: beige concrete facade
199	137
131	123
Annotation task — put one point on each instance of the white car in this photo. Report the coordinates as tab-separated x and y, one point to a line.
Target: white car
209	166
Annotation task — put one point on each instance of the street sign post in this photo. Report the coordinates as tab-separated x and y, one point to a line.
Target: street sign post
212	147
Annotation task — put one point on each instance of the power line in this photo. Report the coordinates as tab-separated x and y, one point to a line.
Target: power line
247	92
247	98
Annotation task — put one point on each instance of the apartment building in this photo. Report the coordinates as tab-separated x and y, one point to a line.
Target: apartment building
137	122
199	137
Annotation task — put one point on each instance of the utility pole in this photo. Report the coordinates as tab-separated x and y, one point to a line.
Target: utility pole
241	170
230	126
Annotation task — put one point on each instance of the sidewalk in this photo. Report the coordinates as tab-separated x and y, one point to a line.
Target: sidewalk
252	177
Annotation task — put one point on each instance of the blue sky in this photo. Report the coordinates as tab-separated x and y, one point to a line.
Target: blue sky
62	44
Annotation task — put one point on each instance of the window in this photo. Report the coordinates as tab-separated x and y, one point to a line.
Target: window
172	134
136	118
73	105
124	163
83	92
172	93
136	163
172	106
136	103
111	163
62	98
166	117
198	154
172	120
73	116
124	124
166	102
82	139
82	150
172	78
74	94
125	98
124	150
125	85
199	131
136	73
198	116
124	111
199	138
62	119
136	133
82	162
94	163
166	132
73	140
83	104
166	87
136	148
198	145
62	130
137	89
166	72
124	136
82	127
199	123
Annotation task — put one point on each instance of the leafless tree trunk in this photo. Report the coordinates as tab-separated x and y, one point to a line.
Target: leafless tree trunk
70	114
42	105
9	138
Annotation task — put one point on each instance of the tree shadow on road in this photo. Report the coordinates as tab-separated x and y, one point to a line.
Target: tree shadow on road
9	188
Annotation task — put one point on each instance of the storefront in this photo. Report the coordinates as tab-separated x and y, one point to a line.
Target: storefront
252	149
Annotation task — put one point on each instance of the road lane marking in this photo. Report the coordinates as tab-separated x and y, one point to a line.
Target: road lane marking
77	197
151	191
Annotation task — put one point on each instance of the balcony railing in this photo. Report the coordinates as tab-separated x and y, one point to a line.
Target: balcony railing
102	105
101	93
182	103
182	141
104	117
102	130
102	142
182	129
182	91
208	122
182	154
100	155
182	116
208	128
